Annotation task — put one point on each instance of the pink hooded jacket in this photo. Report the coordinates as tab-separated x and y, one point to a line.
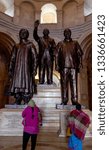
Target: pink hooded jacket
31	119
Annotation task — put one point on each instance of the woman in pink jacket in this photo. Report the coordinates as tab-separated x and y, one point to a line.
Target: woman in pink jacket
31	121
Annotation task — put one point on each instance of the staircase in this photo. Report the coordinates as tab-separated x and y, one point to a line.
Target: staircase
46	99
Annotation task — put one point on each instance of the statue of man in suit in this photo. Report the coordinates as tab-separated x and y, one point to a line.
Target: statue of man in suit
46	54
68	63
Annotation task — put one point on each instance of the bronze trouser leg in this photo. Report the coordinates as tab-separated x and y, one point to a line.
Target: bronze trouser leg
41	74
50	73
64	85
49	67
73	85
42	70
18	97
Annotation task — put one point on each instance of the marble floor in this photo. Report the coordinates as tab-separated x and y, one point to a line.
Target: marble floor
45	141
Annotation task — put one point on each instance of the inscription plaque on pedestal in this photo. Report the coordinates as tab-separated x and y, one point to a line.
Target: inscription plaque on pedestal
11	122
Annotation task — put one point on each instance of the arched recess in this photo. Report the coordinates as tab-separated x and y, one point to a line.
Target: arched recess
27	14
49	13
69	11
72	13
6	44
86	73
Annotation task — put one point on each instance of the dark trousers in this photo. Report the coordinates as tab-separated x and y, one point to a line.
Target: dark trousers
69	75
46	67
26	137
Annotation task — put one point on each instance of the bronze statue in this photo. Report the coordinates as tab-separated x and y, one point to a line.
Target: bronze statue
23	68
46	54
68	63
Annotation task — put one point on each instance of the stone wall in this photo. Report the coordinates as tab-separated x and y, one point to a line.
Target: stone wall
27	11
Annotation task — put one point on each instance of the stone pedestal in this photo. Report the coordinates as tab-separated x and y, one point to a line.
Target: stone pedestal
11	122
63	122
46	99
54	115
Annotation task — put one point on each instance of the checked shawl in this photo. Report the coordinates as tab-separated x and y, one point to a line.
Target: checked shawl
79	122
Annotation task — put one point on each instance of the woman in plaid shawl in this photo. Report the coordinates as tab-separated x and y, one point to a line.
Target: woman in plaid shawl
78	121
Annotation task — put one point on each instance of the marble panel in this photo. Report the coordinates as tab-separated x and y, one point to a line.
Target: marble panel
10	122
63	123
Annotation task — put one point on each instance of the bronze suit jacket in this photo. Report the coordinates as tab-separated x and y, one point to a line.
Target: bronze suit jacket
68	55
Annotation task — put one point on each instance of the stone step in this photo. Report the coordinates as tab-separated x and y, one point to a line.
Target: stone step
47	102
48	87
48	94
44	100
50	117
47	99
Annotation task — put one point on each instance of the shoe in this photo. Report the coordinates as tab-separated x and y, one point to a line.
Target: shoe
49	82
63	103
41	82
17	103
74	103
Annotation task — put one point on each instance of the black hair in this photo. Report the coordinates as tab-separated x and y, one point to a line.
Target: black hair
78	106
24	33
67	30
46	31
32	112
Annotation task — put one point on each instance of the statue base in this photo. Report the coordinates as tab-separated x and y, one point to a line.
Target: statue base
64	111
67	107
15	106
11	122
